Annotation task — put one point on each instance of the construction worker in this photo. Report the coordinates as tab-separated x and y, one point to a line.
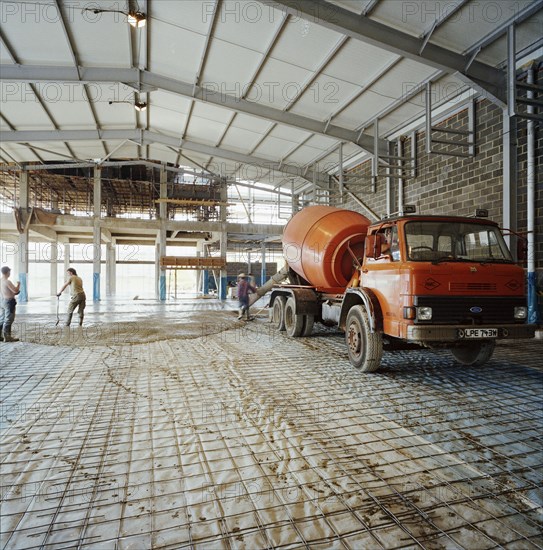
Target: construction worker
78	297
7	305
244	289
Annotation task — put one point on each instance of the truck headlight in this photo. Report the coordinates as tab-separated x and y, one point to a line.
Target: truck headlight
424	313
521	312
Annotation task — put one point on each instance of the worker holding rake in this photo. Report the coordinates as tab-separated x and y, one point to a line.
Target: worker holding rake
78	297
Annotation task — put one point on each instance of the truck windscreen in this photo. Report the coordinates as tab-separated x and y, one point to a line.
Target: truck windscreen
434	241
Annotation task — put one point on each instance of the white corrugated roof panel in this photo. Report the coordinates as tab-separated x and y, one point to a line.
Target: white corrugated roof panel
229	68
413	17
278	83
323	97
395	84
50	150
175	52
167	121
288	133
168	112
100	40
525	34
117	115
162	153
251	123
211	112
251	25
359	63
204	130
356	6
87	150
24	111
34	33
476	20
5	55
194	15
68	104
273	148
322	142
240	140
304	155
305	44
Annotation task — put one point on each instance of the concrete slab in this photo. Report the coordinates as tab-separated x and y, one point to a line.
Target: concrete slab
176	426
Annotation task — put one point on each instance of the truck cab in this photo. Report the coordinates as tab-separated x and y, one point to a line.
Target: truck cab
442	281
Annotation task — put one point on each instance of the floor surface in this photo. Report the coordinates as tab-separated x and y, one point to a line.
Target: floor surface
177	426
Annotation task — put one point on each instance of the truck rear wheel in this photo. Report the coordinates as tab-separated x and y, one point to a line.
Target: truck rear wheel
475	354
278	312
294	323
309	321
365	348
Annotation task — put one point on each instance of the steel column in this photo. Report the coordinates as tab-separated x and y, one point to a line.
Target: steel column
22	256
533	311
510	177
97	235
162	233
53	258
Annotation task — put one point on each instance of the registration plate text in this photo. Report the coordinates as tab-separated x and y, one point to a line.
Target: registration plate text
478	333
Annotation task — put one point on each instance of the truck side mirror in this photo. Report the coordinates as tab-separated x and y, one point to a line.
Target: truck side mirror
373	246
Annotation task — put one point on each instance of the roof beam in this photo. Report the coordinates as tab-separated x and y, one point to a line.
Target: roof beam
142	136
479	75
148	80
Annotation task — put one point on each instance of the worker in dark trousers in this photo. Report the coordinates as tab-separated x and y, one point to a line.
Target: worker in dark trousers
244	289
8	304
78	297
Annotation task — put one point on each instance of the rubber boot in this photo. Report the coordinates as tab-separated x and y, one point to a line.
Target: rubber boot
9	338
81	315
1	336
69	319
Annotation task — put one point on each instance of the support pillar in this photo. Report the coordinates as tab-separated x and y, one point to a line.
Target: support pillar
161	250
533	310
205	281
263	268
97	235
66	257
389	182
54	268
399	144
199	272
22	256
510	176
341	186
223	241
111	268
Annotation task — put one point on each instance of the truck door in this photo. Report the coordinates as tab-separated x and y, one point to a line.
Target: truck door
382	275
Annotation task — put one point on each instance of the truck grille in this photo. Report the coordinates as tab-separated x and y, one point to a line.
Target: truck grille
452	310
472	287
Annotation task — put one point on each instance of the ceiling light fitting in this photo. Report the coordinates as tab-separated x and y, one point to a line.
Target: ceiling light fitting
136	19
138	105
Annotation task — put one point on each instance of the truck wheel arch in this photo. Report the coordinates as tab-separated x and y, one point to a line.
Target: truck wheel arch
365	297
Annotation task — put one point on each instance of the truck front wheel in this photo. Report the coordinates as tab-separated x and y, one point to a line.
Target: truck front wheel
278	312
475	354
365	348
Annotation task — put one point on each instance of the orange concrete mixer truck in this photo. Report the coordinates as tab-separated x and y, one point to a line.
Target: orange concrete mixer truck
404	282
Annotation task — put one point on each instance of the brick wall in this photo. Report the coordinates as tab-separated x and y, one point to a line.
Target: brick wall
455	185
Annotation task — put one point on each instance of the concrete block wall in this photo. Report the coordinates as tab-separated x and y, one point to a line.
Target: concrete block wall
457	185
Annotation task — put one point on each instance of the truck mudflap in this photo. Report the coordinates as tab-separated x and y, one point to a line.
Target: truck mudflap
456	333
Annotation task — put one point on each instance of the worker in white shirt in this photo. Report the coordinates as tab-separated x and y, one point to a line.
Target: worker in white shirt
8	304
78	298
